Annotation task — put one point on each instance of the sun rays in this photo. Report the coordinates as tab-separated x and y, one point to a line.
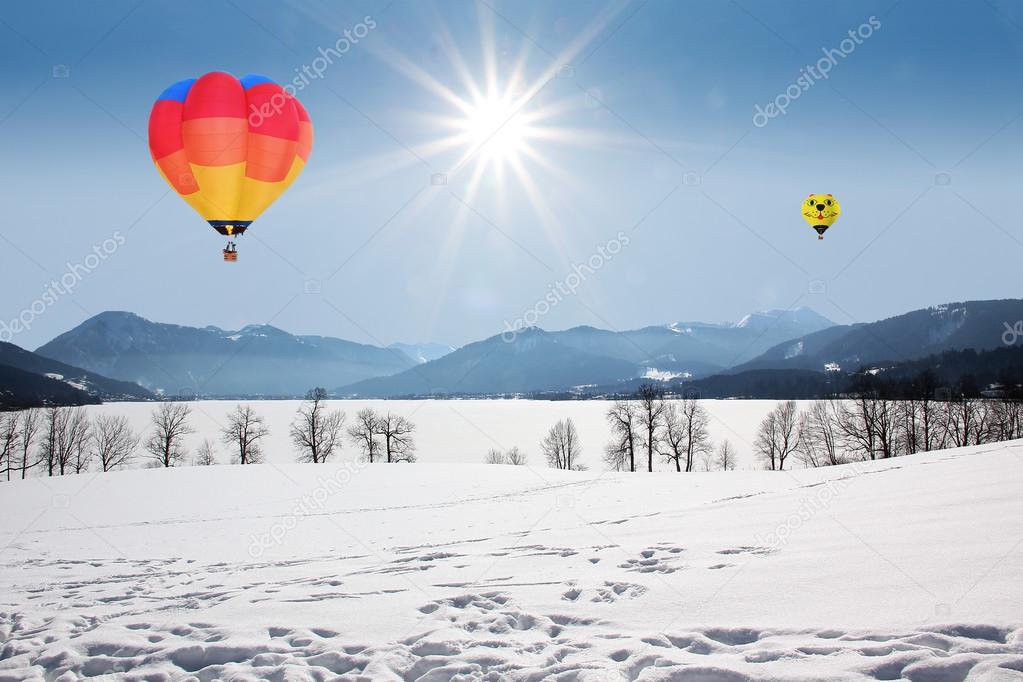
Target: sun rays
488	120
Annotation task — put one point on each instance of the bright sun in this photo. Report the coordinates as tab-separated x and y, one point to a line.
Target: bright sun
494	129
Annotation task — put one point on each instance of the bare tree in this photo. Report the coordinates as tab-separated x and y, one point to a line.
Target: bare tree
244	430
927	414
205	455
819	435
1008	419
516	457
396	432
113	441
364	433
30	420
512	456
54	424
886	424
70	440
685	433
984	423
561	446
725	457
316	432
778	435
623	417
82	445
651	416
165	444
10	436
856	426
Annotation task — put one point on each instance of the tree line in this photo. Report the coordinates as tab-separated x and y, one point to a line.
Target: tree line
877	420
645	427
878	423
59	440
648	427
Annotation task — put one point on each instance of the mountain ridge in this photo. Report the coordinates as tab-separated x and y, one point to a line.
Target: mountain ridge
589	356
258	359
30	380
979	324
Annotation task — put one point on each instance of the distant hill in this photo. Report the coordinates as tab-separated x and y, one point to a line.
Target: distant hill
264	361
423	352
258	360
533	360
696	348
994	372
979	325
53	379
20	389
574	360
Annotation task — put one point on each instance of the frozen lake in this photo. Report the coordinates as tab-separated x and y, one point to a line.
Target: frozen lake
459	430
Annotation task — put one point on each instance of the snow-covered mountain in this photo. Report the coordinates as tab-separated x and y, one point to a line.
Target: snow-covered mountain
533	360
262	360
980	325
797	318
697	348
538	360
180	360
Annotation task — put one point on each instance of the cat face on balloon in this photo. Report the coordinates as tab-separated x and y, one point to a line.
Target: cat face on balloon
821	209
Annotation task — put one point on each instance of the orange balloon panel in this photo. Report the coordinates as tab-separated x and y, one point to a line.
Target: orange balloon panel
229	146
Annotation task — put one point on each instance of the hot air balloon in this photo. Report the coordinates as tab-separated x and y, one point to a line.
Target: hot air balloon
229	146
821	211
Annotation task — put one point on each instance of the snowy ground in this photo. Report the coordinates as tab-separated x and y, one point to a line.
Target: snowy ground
479	424
907	569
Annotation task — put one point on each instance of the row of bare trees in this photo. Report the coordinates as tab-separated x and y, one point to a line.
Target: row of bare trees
648	426
512	456
62	440
318	432
872	426
56	441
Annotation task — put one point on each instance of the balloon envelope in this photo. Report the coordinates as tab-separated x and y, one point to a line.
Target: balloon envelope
229	146
821	211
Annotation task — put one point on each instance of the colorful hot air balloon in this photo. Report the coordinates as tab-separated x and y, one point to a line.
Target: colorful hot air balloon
821	211
229	146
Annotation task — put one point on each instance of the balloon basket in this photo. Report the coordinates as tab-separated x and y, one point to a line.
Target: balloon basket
230	256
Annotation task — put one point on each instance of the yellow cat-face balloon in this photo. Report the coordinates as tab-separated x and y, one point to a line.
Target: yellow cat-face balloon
821	211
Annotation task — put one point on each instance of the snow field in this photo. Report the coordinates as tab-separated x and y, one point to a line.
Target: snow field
904	569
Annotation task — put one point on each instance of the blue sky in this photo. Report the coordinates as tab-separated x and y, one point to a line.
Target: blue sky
628	117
